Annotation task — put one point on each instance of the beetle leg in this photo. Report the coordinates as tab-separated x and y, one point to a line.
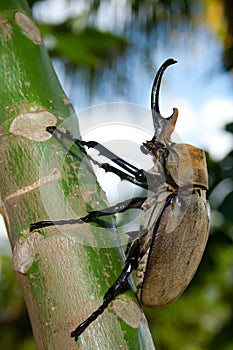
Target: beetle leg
137	173
130	265
133	203
123	176
133	236
138	178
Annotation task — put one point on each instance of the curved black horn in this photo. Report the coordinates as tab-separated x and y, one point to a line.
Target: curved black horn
156	86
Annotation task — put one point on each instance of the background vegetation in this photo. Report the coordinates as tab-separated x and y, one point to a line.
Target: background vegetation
203	318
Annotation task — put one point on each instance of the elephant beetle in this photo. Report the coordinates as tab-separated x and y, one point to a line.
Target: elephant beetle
170	242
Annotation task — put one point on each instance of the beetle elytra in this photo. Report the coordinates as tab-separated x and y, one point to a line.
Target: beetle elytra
175	224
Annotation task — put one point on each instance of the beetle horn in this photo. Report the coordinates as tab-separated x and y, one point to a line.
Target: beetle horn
173	118
164	127
156	87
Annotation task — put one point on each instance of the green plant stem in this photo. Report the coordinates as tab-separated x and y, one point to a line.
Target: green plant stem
63	280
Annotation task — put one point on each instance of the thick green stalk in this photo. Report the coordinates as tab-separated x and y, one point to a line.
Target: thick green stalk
63	272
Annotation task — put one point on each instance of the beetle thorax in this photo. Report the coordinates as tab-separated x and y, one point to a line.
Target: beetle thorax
155	148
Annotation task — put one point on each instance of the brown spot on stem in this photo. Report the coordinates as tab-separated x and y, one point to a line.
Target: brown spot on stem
32	125
25	250
53	176
5	28
129	312
66	101
29	27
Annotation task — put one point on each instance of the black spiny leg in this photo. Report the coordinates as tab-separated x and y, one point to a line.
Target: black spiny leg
134	203
138	178
113	291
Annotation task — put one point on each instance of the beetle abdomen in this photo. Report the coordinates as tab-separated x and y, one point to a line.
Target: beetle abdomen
176	251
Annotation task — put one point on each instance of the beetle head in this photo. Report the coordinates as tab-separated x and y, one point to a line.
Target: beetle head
164	127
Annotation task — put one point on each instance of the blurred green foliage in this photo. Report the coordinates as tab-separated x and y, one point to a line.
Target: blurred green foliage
15	329
88	47
202	319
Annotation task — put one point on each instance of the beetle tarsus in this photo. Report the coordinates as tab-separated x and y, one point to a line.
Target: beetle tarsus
81	328
51	129
130	265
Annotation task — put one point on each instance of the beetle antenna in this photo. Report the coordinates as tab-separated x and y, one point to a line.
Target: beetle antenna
156	86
